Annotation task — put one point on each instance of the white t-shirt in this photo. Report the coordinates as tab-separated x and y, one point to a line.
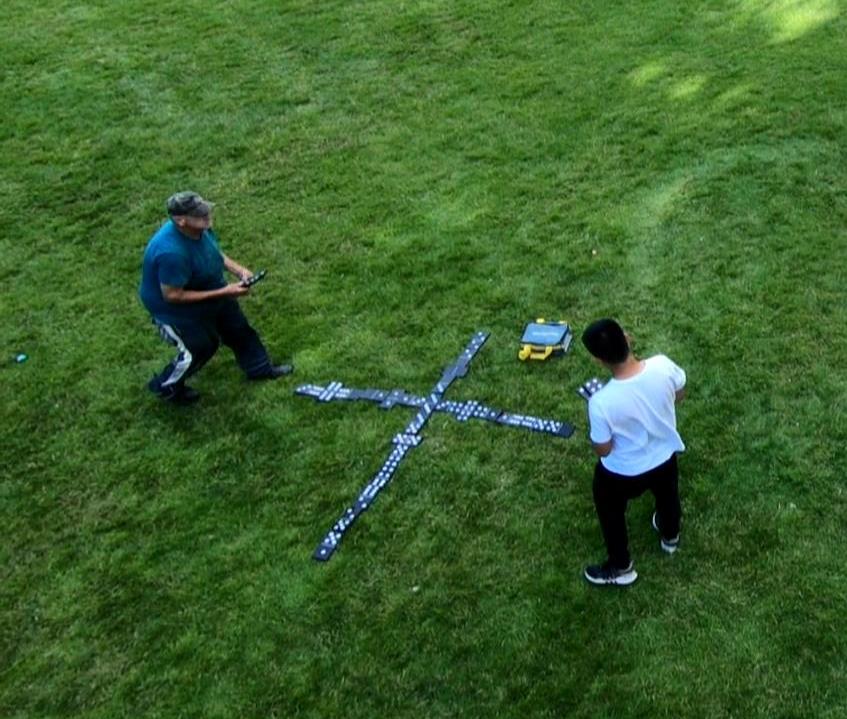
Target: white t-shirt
639	416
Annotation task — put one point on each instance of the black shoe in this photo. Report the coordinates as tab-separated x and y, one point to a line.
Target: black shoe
183	395
607	574
668	545
154	386
275	372
175	394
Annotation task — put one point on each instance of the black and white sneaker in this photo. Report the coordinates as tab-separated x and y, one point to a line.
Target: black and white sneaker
607	574
668	545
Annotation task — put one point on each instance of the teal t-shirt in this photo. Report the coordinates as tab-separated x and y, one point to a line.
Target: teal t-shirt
174	259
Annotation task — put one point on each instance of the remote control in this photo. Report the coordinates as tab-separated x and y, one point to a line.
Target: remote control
250	281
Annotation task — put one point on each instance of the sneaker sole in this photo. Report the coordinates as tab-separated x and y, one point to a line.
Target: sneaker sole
668	548
623	580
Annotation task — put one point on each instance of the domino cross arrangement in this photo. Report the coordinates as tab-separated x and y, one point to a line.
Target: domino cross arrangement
410	437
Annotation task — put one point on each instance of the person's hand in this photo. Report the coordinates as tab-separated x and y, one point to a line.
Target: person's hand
244	274
236	289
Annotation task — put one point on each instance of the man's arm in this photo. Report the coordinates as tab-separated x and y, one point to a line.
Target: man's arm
678	379
602	449
179	295
598	427
174	272
240	271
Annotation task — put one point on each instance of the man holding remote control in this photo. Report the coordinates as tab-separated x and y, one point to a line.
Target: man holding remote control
183	288
633	432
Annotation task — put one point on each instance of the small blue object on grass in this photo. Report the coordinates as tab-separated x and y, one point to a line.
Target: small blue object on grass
20	358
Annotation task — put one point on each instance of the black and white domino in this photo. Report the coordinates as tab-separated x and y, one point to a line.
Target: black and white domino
589	388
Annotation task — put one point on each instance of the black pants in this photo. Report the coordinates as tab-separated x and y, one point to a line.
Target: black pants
198	339
613	491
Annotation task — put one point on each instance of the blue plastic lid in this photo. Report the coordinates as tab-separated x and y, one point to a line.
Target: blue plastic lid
545	334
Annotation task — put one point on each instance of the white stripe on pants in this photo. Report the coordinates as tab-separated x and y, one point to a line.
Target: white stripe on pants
183	360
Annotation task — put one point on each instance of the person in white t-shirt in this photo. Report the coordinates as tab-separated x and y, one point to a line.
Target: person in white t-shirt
633	432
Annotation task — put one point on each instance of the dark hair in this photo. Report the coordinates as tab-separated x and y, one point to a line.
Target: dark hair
606	341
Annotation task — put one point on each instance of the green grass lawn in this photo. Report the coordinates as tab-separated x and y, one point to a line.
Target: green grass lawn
410	173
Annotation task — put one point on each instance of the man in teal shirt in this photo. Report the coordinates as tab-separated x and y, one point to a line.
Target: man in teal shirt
195	309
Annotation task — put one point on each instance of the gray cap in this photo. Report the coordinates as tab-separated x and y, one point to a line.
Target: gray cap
188	204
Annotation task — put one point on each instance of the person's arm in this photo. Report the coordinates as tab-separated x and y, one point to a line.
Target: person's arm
175	273
599	431
602	449
678	379
240	271
179	295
